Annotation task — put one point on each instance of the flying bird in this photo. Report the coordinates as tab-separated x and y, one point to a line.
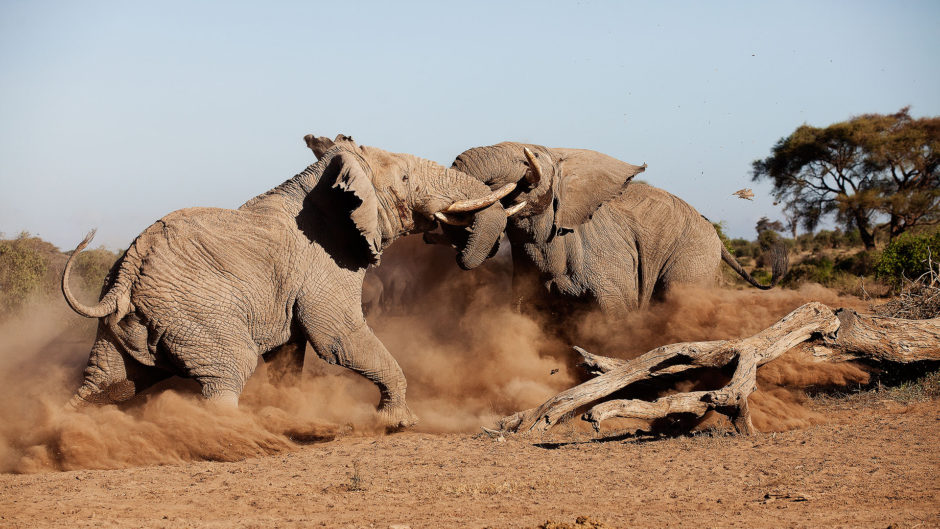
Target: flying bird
745	193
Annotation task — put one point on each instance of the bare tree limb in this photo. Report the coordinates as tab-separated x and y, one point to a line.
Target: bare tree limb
838	335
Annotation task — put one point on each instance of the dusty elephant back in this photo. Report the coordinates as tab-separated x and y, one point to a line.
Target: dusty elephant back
661	214
673	243
180	287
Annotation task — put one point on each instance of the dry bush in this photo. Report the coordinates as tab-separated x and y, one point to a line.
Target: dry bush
918	300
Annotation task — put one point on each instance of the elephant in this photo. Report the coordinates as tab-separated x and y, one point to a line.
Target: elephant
399	283
582	233
202	292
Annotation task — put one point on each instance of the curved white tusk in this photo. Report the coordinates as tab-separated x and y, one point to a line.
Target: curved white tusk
453	221
515	209
476	204
534	176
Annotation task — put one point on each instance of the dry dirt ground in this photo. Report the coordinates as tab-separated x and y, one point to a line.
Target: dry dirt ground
873	464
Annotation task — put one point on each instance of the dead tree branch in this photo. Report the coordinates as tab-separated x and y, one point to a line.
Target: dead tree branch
833	336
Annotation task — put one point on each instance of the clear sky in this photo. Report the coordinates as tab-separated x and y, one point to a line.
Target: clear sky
113	114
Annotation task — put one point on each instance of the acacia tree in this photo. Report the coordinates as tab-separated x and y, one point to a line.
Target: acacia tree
869	167
906	153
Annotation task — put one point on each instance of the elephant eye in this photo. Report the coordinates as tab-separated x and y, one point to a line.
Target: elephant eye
404	178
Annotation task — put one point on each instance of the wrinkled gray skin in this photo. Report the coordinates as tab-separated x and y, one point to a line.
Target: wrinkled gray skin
588	234
203	292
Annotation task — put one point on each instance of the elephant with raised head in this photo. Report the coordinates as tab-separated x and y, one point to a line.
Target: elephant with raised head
585	232
203	292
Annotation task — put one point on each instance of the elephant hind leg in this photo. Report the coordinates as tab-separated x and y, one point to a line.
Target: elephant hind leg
113	376
220	366
696	265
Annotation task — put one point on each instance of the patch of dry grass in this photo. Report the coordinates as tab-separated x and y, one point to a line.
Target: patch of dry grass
919	299
924	388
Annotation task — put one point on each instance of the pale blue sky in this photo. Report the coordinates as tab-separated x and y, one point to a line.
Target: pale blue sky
113	114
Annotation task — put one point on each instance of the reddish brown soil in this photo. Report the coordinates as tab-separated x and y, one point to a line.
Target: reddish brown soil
871	464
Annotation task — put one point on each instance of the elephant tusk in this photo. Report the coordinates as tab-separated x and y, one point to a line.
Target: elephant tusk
453	221
534	175
476	204
515	209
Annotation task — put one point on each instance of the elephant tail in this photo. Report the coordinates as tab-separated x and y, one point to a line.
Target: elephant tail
108	303
780	262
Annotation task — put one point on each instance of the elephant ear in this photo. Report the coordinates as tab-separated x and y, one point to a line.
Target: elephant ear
352	199
320	144
586	183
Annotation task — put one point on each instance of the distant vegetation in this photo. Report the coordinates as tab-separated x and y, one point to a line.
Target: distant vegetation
838	259
872	173
31	270
877	177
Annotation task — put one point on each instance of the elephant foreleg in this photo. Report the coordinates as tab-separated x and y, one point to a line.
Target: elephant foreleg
360	350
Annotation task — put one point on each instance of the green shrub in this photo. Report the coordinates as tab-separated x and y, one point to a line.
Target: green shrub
820	270
761	275
91	267
744	248
22	269
767	239
31	268
828	239
859	264
907	257
853	238
720	229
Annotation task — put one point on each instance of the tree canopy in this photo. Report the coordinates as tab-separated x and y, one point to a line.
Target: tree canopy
866	170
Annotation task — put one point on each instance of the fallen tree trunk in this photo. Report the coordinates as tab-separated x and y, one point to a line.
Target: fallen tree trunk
833	336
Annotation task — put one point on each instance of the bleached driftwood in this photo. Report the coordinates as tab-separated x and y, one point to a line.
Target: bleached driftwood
833	336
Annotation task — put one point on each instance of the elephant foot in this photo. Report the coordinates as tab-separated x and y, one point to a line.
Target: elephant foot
396	417
76	403
224	399
113	393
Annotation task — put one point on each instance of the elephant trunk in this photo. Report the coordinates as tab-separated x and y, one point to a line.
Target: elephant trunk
476	242
485	231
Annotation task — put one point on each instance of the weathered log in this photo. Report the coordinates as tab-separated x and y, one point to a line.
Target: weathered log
840	335
890	339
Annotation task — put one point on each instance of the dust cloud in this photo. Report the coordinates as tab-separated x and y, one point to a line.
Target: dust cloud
467	357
